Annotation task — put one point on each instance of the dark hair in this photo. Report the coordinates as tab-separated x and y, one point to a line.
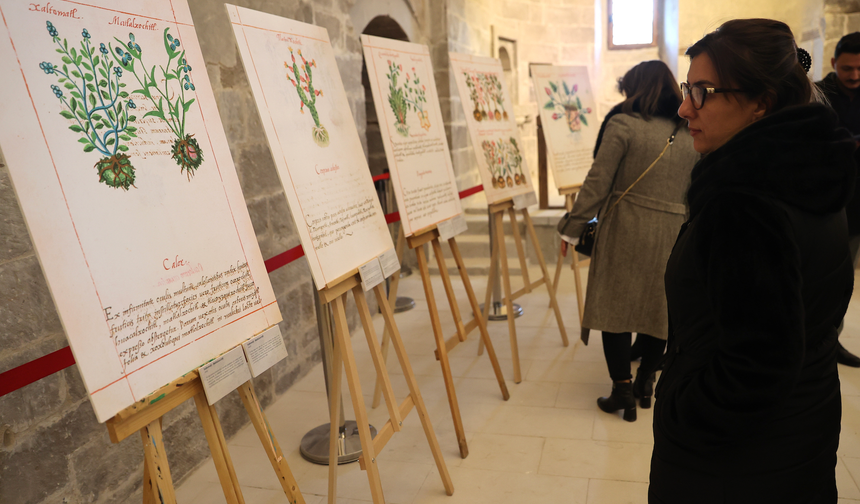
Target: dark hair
848	44
758	56
651	90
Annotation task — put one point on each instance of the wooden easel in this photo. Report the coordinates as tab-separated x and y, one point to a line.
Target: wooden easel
500	255
443	346
145	417
342	354
569	194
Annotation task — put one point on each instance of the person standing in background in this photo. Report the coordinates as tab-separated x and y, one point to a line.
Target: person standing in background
625	279
841	87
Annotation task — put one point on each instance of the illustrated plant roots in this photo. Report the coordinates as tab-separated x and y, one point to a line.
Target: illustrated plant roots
485	91
97	105
170	106
406	97
566	104
186	152
302	79
504	162
116	171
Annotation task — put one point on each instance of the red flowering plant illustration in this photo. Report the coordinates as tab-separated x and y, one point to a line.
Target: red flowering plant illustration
405	96
302	78
485	91
504	161
567	105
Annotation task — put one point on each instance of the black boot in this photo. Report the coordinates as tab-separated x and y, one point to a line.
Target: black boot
643	388
621	398
846	358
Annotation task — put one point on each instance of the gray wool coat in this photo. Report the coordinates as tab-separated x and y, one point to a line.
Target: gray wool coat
625	290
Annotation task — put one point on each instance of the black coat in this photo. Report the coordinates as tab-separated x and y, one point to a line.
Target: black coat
748	408
848	111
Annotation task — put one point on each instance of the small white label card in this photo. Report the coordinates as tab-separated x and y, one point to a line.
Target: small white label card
224	374
526	200
452	227
389	262
265	350
371	274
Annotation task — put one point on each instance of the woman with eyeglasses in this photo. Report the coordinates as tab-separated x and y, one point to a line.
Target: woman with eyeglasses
640	213
748	407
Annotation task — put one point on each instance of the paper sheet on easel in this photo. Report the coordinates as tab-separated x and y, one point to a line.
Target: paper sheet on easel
452	227
413	133
305	113
570	126
492	126
224	374
265	350
135	211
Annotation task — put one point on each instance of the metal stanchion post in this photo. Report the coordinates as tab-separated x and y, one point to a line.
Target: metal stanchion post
386	200
499	311
315	443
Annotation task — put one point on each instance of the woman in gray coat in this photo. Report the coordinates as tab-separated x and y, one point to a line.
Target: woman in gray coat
634	237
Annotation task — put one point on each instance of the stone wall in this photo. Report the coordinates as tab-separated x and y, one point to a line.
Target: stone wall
841	17
52	450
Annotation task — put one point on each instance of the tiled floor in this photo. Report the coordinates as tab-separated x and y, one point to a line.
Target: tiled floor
548	444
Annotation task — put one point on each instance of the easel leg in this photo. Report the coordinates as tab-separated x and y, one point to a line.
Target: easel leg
376	355
218	448
160	483
348	358
449	289
482	323
392	299
270	444
442	350
400	350
509	304
539	254
521	253
491	284
334	409
568	205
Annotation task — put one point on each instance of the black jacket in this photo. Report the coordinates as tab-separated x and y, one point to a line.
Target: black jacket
748	407
849	117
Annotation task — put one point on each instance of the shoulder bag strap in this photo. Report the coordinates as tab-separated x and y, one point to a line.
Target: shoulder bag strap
669	142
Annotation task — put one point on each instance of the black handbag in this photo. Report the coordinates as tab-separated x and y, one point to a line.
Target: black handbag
586	238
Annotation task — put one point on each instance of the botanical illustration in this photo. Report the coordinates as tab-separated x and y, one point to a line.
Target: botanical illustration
405	97
302	78
567	105
96	103
485	91
170	106
504	161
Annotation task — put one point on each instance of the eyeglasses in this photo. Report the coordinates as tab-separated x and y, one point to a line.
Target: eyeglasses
697	93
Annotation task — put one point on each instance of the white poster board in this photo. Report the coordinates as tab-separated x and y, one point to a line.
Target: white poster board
492	126
314	142
569	119
133	203
410	120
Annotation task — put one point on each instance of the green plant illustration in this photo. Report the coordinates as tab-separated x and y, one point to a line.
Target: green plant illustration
406	97
485	91
97	105
504	161
302	78
566	104
170	106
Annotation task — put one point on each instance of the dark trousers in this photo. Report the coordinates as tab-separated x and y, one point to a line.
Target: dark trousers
616	349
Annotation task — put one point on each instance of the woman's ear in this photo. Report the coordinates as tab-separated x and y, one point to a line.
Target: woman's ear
762	105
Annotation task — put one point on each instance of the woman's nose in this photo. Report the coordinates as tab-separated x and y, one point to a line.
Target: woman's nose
686	110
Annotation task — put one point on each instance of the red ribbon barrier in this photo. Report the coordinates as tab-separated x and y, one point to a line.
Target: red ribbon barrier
54	362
